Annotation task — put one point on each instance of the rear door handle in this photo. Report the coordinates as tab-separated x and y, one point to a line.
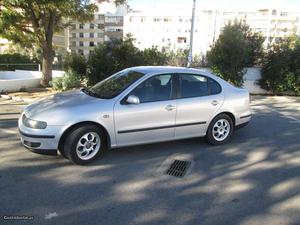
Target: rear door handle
214	102
170	107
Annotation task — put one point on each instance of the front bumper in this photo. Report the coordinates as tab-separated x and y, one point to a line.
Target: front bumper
42	141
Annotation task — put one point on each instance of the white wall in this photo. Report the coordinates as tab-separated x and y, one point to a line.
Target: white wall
12	81
251	78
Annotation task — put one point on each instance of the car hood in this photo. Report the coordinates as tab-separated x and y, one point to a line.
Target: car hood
61	104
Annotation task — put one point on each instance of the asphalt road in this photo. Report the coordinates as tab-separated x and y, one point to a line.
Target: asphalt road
254	179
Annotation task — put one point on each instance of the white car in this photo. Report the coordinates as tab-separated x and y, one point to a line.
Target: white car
135	106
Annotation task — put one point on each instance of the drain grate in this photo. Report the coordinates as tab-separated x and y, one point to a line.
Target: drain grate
178	168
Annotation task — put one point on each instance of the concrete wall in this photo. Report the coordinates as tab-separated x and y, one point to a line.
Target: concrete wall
12	81
251	78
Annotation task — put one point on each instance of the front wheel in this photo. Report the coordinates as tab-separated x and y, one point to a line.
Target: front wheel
85	144
220	129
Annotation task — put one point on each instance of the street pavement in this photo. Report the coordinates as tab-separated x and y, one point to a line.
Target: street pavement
252	180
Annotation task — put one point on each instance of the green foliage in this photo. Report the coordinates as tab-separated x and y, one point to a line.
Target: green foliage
56	83
152	56
16	59
178	58
34	22
236	48
111	57
281	67
76	63
69	81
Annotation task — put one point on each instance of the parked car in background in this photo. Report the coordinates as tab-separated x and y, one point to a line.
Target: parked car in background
135	106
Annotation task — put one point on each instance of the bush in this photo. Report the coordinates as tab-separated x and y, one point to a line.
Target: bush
154	57
69	81
281	68
76	63
16	58
236	48
111	57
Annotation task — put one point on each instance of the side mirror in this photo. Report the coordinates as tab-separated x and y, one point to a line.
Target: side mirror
132	99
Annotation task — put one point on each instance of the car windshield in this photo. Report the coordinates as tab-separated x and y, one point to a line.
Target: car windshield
114	85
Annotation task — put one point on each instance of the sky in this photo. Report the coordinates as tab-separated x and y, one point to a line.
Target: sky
150	5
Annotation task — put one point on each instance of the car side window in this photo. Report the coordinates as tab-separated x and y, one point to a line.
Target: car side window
193	86
214	86
157	88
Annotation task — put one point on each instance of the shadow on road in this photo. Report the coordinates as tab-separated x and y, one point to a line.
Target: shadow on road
254	179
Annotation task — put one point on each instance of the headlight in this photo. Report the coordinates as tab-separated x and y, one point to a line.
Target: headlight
33	123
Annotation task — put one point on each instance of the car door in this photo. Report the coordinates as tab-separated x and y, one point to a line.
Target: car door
153	119
199	99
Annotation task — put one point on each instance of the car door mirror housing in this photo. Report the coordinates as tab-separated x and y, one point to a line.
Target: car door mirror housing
132	99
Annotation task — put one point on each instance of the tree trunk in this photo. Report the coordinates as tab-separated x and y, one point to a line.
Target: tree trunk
47	66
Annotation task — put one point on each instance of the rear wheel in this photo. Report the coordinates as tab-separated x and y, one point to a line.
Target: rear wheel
220	129
85	144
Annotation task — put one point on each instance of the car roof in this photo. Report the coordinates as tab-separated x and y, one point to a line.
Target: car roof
168	69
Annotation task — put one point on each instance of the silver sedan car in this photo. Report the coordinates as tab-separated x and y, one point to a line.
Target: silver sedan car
137	105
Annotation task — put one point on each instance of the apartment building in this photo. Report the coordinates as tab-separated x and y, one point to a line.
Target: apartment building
171	30
106	25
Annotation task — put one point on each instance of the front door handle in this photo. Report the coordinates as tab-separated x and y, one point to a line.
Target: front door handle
214	102
170	107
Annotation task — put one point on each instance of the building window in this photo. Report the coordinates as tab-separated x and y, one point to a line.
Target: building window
181	40
81	35
167	19
274	12
73	35
92	26
81	43
100	35
101	26
80	51
156	19
81	26
74	43
91	35
92	44
73	26
143	19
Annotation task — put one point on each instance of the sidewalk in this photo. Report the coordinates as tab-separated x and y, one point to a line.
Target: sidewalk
30	95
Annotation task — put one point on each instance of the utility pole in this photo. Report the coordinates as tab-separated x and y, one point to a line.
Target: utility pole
190	56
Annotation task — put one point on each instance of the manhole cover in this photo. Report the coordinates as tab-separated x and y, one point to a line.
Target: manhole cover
178	168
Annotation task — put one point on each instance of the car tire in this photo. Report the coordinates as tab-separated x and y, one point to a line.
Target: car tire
62	152
220	129
85	144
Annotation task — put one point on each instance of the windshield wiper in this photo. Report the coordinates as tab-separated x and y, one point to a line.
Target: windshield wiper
90	93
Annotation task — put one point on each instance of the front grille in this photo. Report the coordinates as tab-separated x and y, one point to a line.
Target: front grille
178	168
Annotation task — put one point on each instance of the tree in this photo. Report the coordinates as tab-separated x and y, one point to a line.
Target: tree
236	48
152	56
281	66
35	21
111	57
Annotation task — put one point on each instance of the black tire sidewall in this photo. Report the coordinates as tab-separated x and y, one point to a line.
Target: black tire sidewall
72	139
210	136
